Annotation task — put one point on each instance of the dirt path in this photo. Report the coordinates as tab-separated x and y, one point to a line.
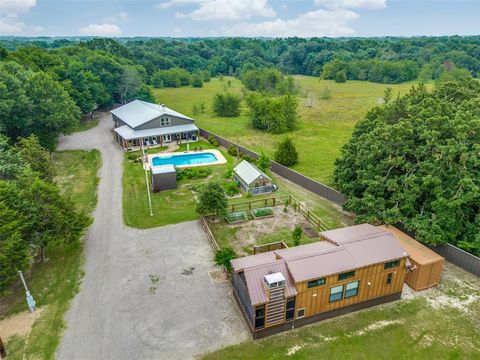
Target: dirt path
19	324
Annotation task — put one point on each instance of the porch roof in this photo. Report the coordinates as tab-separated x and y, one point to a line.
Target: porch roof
128	133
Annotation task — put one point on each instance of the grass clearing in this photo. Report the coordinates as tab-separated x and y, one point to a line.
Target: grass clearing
86	123
55	282
322	130
411	328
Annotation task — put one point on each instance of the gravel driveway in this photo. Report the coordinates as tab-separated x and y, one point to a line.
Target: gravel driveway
146	294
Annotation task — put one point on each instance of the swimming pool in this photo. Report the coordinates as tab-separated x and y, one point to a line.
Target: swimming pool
203	158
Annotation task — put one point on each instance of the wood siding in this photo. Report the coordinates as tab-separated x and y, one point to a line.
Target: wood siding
375	275
155	123
425	275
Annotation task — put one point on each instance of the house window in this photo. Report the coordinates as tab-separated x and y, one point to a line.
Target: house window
165	121
300	313
346	275
391	264
336	293
290	309
351	289
389	278
316	282
260	317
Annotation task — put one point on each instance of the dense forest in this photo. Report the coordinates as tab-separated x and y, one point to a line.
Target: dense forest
415	160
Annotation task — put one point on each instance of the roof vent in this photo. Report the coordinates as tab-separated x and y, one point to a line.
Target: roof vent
274	280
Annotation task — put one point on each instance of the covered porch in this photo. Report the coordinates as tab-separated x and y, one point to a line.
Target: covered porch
130	139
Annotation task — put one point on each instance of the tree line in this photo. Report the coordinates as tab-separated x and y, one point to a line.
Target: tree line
415	160
34	214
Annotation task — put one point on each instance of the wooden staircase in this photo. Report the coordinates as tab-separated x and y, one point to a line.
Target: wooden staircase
276	306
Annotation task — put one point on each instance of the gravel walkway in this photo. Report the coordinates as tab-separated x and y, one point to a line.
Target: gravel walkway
146	294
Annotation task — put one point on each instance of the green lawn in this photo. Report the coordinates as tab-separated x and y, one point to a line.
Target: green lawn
441	323
177	205
322	129
55	283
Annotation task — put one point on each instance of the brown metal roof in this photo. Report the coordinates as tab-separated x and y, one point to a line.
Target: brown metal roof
418	252
255	285
351	233
305	250
253	260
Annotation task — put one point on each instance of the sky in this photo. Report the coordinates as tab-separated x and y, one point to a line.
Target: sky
250	18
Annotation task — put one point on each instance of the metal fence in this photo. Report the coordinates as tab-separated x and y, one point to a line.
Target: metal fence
459	257
289	174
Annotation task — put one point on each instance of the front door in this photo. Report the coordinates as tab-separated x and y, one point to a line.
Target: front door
167	138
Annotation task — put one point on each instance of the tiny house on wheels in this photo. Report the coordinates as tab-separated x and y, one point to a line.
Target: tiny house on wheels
354	268
251	179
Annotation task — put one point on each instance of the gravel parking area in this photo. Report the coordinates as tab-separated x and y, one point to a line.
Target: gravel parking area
146	294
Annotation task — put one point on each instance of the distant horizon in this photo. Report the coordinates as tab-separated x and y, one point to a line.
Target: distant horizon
239	18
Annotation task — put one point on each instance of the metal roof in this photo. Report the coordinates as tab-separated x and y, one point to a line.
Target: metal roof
354	247
128	133
139	112
255	284
249	172
163	169
417	252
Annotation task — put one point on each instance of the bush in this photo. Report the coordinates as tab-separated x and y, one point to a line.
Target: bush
248	158
227	105
213	140
263	162
229	172
286	153
133	156
212	200
233	150
231	188
197	81
341	77
223	257
297	235
194	173
325	93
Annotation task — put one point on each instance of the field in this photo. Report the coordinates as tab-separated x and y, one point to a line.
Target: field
177	205
55	283
323	127
440	323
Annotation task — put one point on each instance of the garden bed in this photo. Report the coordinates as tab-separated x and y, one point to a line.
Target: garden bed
237	217
261	213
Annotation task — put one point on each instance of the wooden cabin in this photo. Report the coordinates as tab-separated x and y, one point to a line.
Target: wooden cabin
427	265
287	288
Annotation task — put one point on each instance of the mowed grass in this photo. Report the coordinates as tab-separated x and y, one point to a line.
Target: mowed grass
55	282
178	205
323	128
440	323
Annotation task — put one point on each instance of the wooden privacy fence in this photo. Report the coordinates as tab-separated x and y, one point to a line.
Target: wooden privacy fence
289	174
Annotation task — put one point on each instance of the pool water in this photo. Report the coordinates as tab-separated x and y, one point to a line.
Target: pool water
184	159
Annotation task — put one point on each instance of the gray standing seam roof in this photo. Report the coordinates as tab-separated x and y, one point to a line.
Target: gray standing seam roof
138	112
249	172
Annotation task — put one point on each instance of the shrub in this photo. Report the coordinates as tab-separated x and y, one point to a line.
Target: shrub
341	77
212	200
231	188
229	172
223	257
233	150
263	162
212	140
194	173
297	235
227	105
197	81
286	153
133	156
248	158
325	93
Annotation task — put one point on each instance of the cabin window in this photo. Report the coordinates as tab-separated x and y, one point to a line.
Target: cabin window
391	264
165	121
336	293
346	275
260	317
316	282
389	278
300	313
290	309
351	289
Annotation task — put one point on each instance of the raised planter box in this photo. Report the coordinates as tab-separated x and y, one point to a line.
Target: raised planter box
261	213
236	217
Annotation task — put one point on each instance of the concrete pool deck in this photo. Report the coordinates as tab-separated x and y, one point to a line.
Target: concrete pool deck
218	155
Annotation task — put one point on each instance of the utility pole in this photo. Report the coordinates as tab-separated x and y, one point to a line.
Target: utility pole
30	301
146	178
